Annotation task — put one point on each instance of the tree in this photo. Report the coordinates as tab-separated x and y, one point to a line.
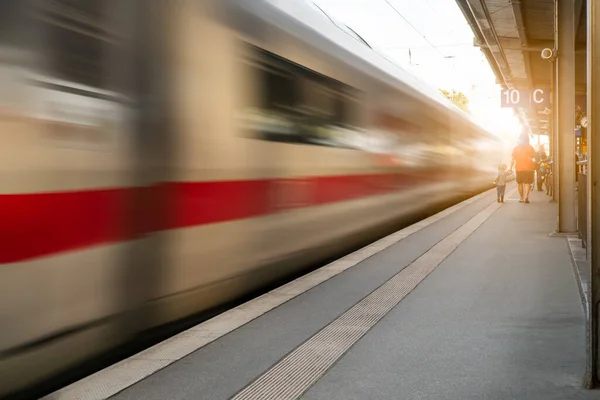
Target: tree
458	98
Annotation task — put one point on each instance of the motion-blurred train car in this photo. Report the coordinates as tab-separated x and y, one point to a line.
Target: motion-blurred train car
160	158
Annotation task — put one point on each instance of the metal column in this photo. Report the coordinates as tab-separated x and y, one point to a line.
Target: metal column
567	220
593	98
554	135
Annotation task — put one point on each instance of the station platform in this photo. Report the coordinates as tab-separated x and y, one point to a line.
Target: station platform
476	302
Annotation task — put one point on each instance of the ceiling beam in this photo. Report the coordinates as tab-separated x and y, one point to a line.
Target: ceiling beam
481	15
523	84
465	9
578	12
538	84
518	14
532	45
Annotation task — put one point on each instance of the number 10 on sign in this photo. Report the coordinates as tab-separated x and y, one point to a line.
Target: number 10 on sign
520	98
513	98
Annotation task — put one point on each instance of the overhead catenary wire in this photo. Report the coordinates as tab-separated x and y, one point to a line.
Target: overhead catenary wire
436	48
413	27
469	44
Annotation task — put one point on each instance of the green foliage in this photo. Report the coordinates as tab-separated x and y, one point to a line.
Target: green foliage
458	98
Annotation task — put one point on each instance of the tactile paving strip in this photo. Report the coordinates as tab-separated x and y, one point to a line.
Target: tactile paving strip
299	370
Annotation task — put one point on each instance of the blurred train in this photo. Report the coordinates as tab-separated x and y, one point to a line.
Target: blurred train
161	158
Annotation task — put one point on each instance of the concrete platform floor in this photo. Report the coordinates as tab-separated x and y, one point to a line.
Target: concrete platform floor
498	317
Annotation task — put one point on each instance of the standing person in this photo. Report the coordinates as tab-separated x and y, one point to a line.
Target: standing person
501	182
576	171
540	158
522	160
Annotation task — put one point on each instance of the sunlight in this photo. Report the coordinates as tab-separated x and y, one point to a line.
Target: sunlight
502	122
455	65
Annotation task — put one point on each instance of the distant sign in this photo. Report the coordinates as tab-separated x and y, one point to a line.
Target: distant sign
545	111
513	98
584	122
538	98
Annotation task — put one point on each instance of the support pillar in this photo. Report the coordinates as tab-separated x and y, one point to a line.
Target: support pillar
567	220
593	200
554	136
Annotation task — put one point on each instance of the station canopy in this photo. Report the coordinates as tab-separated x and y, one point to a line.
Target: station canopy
512	34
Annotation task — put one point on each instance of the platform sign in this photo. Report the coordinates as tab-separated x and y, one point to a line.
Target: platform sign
513	98
545	111
538	98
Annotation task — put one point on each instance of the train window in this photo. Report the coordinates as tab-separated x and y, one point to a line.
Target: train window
279	90
11	23
340	110
272	118
333	113
317	99
75	39
298	105
347	112
13	27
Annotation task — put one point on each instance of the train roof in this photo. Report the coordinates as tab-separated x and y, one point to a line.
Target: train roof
302	18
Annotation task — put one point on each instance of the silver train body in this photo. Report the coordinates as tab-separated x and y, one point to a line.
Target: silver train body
194	152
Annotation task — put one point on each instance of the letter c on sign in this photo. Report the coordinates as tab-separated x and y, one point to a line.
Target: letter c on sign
537	92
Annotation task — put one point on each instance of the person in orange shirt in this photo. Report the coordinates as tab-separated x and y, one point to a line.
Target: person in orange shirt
522	160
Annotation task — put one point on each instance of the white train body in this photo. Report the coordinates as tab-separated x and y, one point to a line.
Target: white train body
234	145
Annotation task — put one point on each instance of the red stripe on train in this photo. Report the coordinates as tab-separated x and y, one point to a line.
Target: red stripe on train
33	225
40	224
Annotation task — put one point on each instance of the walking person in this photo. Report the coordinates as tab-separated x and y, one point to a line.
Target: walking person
500	182
522	161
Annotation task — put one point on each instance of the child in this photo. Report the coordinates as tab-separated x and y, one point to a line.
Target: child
500	182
